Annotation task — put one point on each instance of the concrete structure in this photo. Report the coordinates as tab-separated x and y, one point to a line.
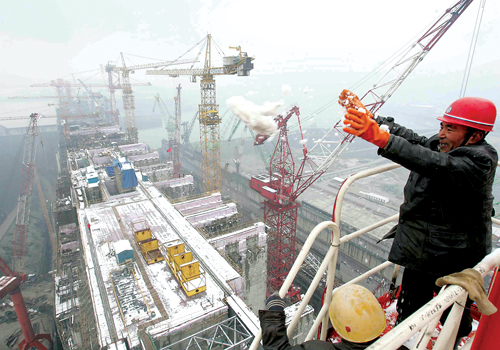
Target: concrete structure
176	188
316	206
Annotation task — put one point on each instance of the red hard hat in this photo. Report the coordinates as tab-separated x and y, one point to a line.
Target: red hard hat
475	112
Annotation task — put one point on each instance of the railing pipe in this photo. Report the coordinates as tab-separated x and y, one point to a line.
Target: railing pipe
426	333
446	339
361	232
294	270
336	218
330	280
337	208
400	334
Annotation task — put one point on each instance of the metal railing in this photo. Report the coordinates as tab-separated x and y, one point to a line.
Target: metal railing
425	318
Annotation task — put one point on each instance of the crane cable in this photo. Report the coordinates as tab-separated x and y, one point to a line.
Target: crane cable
472	48
397	54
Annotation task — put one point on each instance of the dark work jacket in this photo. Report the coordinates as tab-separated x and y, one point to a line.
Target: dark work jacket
445	219
274	336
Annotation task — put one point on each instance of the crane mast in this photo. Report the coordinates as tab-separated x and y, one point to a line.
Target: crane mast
25	192
129	104
177	132
113	80
286	182
128	95
209	119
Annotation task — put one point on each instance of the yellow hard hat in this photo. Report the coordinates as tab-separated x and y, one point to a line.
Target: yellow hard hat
356	314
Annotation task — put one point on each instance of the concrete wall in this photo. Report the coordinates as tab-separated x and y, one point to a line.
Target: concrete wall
254	268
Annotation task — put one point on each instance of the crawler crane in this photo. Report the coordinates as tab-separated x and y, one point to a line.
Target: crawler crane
286	181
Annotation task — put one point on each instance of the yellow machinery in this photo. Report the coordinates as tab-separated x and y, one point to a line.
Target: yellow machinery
151	251
145	239
186	270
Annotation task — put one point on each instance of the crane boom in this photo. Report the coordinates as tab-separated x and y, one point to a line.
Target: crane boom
69	85
233	69
25	191
154	65
320	157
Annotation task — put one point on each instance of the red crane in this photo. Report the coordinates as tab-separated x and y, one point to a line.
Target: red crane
24	201
286	182
10	284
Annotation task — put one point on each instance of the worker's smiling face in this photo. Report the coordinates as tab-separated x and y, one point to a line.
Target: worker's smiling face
451	136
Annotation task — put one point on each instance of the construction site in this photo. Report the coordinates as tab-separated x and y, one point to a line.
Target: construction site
178	247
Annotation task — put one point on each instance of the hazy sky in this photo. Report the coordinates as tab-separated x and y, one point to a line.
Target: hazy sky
45	40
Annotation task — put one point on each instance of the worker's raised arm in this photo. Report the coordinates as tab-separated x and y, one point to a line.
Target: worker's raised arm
468	164
388	124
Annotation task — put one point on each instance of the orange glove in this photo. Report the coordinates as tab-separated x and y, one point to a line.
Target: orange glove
360	124
348	100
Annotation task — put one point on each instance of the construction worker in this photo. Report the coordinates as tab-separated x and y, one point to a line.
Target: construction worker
445	220
355	313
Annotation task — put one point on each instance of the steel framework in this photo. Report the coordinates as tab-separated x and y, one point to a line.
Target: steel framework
10	284
228	334
208	113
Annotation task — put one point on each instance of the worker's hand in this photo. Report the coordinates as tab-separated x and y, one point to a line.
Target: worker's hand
360	124
473	282
275	303
348	99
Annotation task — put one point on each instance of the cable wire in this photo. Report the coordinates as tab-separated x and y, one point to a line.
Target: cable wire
472	48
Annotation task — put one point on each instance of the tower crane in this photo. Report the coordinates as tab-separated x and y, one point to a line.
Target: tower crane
209	119
286	182
187	128
65	96
168	120
122	74
11	284
177	132
89	92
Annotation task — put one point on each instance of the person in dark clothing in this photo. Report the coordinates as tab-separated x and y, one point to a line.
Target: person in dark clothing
445	220
355	313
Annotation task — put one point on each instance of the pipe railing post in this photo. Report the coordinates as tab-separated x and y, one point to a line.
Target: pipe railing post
295	269
434	308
